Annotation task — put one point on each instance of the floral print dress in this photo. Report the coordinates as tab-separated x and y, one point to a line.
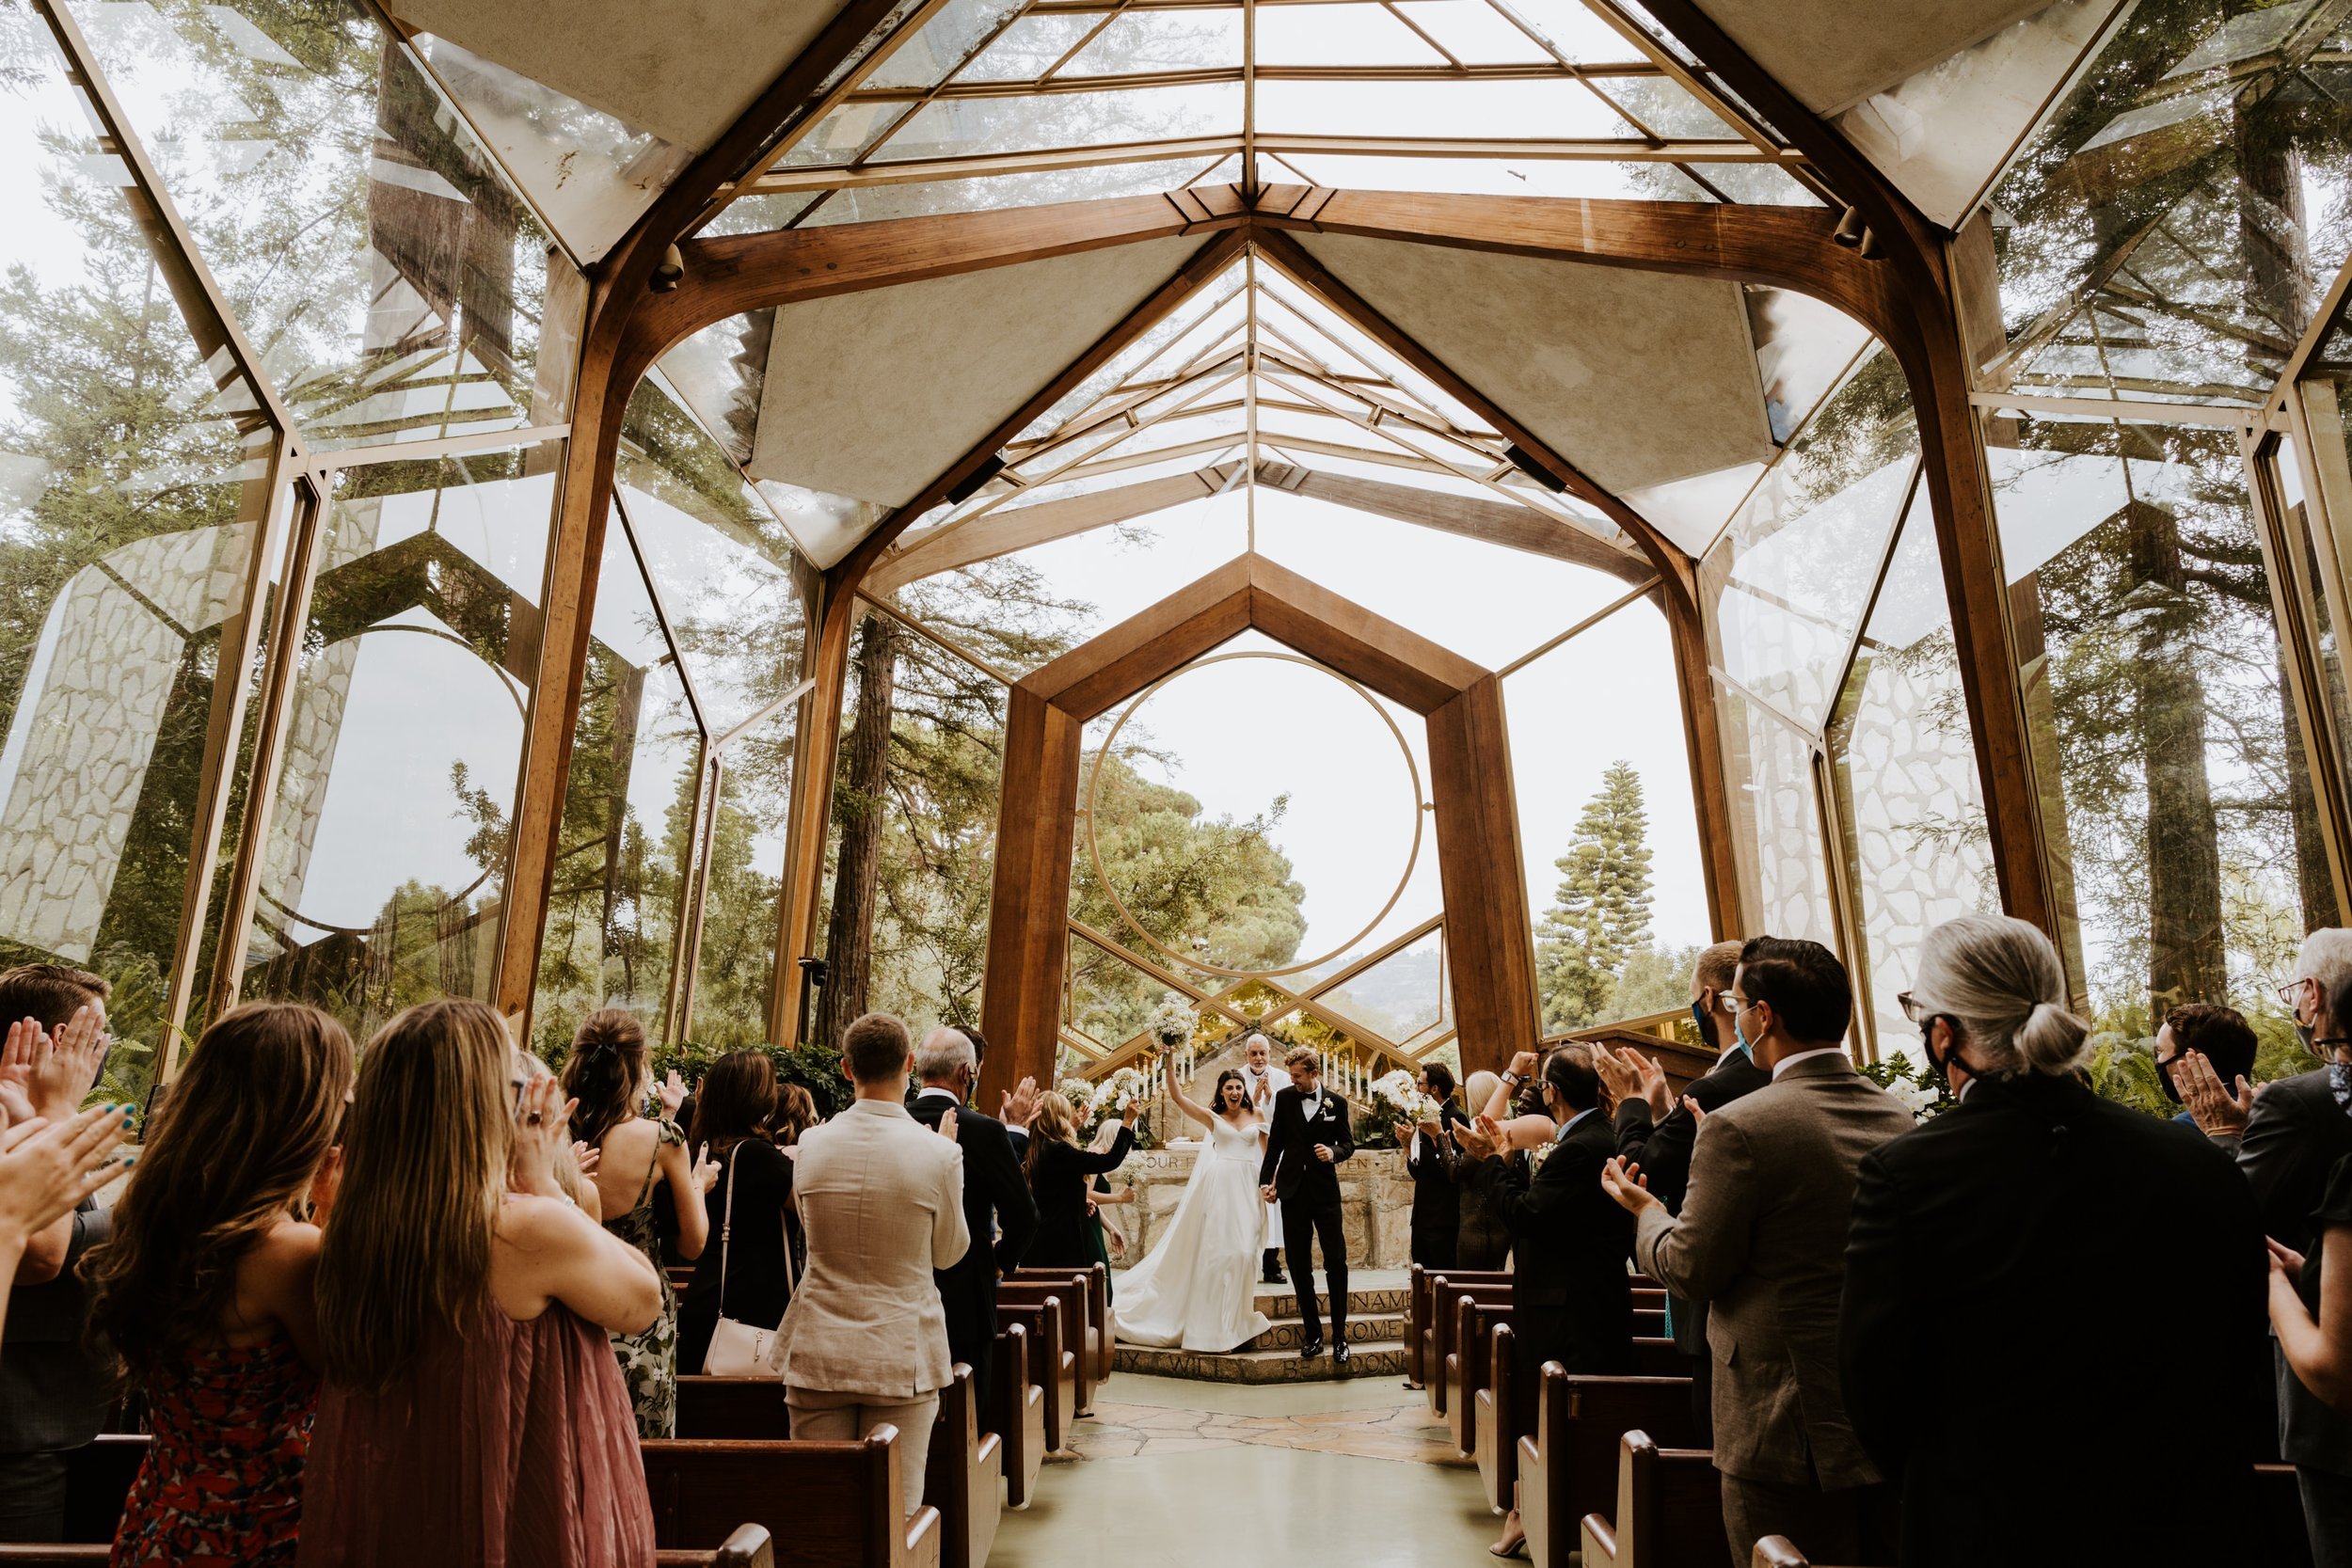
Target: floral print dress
649	1360
223	1478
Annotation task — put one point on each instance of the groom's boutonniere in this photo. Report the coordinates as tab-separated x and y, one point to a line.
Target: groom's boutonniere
1536	1156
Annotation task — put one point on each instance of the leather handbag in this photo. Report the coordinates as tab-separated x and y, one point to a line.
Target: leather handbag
739	1349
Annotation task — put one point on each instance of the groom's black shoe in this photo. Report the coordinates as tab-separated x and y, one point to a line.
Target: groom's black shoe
1339	1352
1270	1272
1312	1349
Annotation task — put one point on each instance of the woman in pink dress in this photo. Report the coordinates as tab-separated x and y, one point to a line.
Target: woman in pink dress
205	1288
473	1411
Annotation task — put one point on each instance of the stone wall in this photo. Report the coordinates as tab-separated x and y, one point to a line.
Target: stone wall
1376	1194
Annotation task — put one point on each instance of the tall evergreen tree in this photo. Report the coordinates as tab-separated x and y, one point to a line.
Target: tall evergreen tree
1600	918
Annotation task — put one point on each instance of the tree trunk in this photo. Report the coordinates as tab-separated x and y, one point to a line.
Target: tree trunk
2185	956
857	804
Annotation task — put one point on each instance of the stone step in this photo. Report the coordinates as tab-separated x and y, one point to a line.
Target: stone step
1368	1328
1280	1301
1372	1359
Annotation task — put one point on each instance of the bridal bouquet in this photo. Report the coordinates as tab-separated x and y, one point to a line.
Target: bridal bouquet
1398	1101
1170	1025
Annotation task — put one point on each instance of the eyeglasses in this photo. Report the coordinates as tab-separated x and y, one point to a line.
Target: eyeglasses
1913	1010
2292	992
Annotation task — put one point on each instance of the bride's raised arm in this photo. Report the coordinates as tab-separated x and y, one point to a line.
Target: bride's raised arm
1185	1103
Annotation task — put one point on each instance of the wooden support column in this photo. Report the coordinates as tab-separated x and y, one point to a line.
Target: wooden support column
1028	907
612	359
1491	943
1710	782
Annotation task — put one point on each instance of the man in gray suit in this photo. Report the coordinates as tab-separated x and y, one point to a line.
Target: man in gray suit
1762	1237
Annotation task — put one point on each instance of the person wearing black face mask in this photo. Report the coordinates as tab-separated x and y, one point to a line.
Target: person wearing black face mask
2015	1266
1657	1131
2297	1129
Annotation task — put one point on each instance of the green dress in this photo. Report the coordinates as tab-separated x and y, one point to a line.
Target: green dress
649	1360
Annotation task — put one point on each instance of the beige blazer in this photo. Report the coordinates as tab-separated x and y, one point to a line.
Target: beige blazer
1762	1237
881	1197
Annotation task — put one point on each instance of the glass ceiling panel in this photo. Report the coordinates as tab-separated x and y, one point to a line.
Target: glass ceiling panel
943	42
1527	110
1403	570
972	127
1474	32
1030	48
2168	231
1339	35
1577	32
919	198
592	173
1160	40
390	281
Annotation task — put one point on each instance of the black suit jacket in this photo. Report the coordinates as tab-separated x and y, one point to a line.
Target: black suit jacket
1662	1150
2295	1138
1436	1201
1290	1164
2020	1274
997	1206
1571	1298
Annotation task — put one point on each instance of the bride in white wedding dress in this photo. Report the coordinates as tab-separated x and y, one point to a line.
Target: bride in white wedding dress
1194	1290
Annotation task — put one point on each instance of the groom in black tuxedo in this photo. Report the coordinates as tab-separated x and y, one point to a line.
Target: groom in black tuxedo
1304	1148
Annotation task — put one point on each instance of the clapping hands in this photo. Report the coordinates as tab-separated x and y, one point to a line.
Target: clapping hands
1623	1181
2219	1113
50	1078
47	1167
1019	1107
672	1093
543	1123
1479	1138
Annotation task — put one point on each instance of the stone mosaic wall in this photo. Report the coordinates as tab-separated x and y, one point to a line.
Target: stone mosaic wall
77	756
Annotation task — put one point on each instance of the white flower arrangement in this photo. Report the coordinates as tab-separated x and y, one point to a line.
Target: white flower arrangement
1398	1098
1121	1086
1536	1156
1915	1098
1171	1024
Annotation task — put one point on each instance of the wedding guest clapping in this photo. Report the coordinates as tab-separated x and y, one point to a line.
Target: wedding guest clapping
607	1076
1058	1170
45	1169
473	1411
205	1291
746	1275
55	1392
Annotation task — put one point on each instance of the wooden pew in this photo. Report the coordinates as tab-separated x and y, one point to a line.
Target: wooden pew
1068	1297
1468	1365
1495	1419
741	1409
750	1546
1669	1512
1420	1323
1052	1367
99	1478
960	1476
1444	1297
836	1503
1659	1358
1097	1281
1567	1467
964	1478
1019	1418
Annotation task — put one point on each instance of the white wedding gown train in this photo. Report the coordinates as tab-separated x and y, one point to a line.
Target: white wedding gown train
1194	1291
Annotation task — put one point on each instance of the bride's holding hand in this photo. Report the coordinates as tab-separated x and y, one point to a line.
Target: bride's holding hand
1196	1288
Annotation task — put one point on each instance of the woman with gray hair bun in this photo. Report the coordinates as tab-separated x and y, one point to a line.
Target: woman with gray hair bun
2015	1268
1990	1000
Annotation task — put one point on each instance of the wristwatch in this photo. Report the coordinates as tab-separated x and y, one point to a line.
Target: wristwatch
1513	1079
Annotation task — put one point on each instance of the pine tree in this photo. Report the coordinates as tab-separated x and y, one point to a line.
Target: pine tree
1600	918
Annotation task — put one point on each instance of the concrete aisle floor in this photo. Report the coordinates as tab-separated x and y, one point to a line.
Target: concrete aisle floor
1175	1474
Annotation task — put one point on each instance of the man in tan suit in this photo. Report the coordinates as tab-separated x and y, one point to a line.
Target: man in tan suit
1762	1237
863	1344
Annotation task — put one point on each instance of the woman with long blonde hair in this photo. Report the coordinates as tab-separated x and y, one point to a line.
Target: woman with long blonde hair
204	1291
473	1411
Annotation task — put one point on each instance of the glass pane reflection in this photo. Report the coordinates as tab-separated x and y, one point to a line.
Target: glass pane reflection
381	883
